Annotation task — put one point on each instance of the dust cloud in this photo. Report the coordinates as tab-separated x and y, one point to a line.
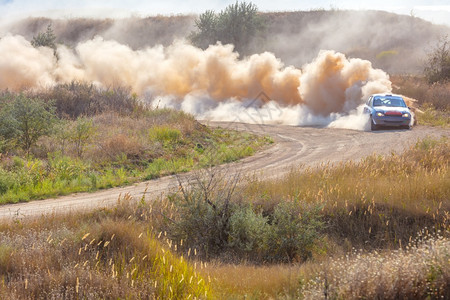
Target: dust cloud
213	84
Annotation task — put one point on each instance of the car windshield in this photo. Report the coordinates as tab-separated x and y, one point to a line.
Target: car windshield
392	102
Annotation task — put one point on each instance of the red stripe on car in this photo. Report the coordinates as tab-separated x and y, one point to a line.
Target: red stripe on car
393	113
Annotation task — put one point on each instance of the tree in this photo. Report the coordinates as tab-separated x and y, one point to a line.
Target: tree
82	133
45	39
207	30
24	120
437	67
238	24
62	134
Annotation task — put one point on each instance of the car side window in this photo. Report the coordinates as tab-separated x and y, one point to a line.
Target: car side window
369	102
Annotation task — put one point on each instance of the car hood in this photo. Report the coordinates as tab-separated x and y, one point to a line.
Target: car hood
390	108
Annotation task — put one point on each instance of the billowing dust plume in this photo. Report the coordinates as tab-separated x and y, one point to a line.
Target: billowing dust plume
211	84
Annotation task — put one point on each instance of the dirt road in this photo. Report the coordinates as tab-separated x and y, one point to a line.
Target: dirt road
293	146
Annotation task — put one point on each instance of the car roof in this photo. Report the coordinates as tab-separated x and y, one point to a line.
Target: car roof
387	95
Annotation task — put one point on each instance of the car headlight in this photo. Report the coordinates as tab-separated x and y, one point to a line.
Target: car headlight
380	114
405	115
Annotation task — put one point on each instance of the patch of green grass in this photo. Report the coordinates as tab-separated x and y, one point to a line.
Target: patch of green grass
161	167
164	134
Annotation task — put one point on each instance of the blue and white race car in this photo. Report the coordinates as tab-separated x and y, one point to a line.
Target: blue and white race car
388	110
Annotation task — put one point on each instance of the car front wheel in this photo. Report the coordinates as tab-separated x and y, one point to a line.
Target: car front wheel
373	126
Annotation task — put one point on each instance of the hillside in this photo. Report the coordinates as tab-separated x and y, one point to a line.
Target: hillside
395	43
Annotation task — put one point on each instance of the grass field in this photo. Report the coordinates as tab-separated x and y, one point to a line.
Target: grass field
95	256
400	223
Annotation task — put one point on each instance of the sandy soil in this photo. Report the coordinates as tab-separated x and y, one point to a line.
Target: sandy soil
293	147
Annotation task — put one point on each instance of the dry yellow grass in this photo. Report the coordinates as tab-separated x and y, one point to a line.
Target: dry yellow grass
101	255
256	282
420	270
372	203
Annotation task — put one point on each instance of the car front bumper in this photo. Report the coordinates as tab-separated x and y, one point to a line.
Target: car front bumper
391	121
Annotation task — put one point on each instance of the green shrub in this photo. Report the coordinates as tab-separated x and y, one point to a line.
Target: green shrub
24	120
45	39
6	181
35	170
24	172
207	218
294	231
164	134
437	68
62	134
82	133
202	223
66	168
17	162
154	169
248	231
4	145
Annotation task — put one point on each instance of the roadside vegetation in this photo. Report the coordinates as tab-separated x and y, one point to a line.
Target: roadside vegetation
437	68
432	89
76	137
433	100
315	232
420	270
296	236
102	255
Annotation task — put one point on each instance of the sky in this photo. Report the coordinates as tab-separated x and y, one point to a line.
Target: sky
436	11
